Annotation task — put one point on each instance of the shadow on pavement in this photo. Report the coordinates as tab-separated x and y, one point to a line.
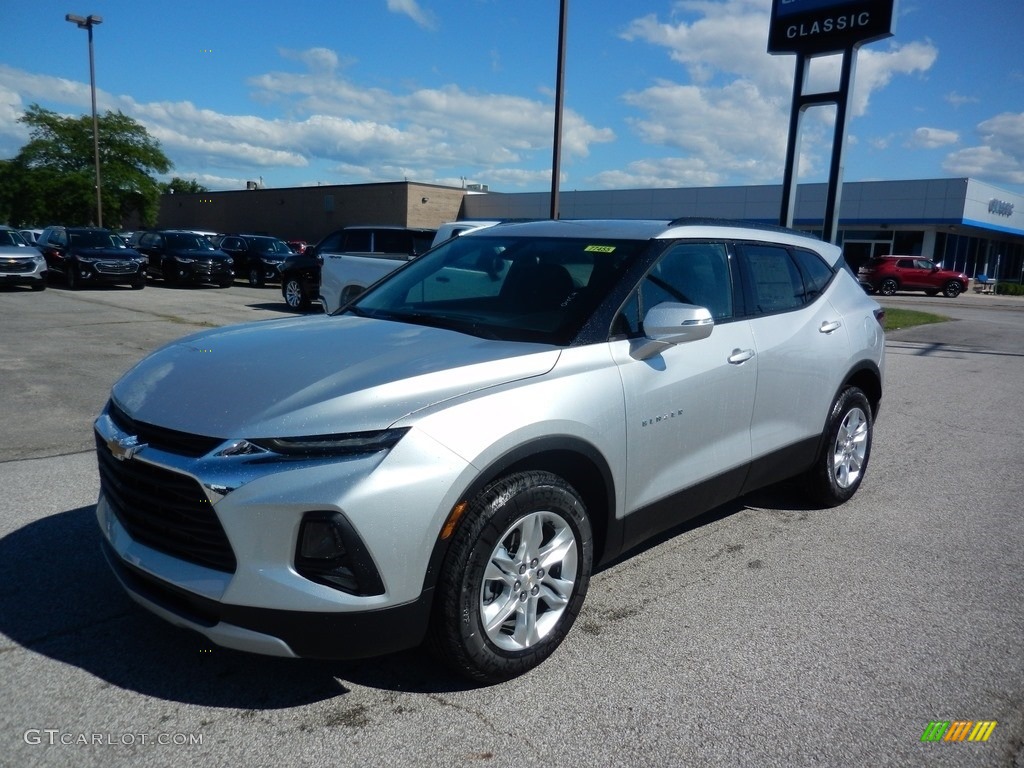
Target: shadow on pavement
59	599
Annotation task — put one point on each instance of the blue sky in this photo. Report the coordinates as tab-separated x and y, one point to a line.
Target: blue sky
658	93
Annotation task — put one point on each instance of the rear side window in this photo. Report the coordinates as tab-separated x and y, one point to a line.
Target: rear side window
816	273
358	241
392	241
775	280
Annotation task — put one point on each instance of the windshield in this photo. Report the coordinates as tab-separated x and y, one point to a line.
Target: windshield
96	240
270	245
186	241
10	237
504	287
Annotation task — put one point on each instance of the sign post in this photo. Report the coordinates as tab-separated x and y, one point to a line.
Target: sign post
812	28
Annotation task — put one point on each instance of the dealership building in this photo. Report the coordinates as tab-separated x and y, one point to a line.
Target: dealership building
961	223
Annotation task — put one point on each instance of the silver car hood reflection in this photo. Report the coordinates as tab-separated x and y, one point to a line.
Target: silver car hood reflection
315	375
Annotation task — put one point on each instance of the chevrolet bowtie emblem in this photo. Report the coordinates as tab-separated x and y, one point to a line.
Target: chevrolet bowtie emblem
125	448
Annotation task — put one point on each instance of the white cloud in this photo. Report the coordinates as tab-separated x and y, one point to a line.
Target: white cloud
412	9
932	138
1000	158
734	113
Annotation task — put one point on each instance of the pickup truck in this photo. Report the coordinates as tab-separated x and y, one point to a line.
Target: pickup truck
354	258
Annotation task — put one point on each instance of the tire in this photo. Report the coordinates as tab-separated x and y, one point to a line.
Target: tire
932	291
846	447
39	285
952	289
139	283
226	283
71	278
514	578
294	296
888	286
350	292
256	279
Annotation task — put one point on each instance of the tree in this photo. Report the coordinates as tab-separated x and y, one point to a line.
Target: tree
52	178
182	187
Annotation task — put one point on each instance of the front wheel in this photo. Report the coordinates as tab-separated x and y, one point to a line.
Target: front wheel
256	277
846	447
293	294
888	287
514	579
72	278
952	289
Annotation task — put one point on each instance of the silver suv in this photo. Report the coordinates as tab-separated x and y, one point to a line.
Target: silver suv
449	457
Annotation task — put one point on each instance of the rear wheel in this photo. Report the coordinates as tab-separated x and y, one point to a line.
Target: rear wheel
846	447
952	289
888	287
350	293
514	578
294	296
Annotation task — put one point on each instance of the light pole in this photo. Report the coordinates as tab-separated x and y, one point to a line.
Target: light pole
556	154
87	23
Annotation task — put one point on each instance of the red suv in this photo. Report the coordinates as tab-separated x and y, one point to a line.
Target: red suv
888	274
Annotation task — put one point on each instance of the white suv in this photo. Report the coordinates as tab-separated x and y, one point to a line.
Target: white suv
451	456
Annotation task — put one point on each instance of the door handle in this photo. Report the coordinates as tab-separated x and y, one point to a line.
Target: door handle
740	356
830	326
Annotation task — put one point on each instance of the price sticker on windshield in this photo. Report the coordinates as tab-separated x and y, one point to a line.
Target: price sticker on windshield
600	249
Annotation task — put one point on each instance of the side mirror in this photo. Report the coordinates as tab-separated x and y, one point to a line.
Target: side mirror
668	324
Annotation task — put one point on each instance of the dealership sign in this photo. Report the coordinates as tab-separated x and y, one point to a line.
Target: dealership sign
828	26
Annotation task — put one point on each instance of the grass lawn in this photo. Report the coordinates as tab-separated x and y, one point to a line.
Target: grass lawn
897	319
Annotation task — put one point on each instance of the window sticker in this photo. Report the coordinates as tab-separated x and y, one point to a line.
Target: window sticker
600	249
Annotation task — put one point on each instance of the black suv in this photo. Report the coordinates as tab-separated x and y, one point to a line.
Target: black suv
255	256
91	256
300	279
180	257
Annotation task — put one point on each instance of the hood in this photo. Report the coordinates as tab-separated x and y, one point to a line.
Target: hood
107	253
197	253
315	375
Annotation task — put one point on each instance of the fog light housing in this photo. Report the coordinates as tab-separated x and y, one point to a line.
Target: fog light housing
330	552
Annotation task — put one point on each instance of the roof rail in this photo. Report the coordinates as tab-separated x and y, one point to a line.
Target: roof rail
695	221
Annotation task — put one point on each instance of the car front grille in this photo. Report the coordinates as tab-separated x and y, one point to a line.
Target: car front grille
16	265
164	510
116	267
170	440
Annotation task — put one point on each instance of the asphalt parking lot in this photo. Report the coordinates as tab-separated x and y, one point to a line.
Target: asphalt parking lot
765	633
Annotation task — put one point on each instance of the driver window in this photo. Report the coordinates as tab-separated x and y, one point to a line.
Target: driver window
691	273
687	273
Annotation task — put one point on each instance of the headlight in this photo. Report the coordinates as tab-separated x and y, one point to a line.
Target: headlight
350	444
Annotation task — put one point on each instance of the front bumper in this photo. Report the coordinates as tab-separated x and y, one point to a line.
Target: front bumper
278	632
109	271
234	577
200	272
22	271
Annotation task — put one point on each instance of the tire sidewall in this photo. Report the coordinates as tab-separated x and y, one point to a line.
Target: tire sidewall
491	515
888	287
828	491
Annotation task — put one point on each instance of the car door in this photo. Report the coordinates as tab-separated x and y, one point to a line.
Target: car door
235	247
688	409
801	343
